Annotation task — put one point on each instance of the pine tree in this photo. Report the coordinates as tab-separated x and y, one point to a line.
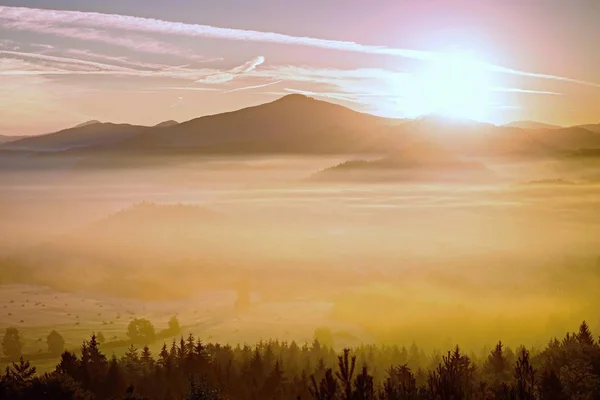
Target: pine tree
496	368
584	336
115	382
273	387
550	387
524	377
345	372
364	389
327	389
69	365
146	360
22	371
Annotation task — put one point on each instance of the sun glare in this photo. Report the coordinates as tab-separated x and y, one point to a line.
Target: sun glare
454	85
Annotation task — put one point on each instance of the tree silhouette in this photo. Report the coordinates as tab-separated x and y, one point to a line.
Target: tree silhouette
400	384
584	336
364	389
12	344
55	342
327	389
174	327
140	330
345	372
525	383
453	378
22	371
568	369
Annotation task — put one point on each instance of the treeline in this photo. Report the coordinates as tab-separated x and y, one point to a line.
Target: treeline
189	369
139	330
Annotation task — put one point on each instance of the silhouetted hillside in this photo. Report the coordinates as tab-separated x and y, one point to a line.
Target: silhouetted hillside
165	124
531	125
292	124
591	127
297	124
417	161
86	136
91	122
7	138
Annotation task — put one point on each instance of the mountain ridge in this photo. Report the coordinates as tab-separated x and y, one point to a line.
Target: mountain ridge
298	124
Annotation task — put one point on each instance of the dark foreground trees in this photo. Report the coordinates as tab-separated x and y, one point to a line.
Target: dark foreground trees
189	369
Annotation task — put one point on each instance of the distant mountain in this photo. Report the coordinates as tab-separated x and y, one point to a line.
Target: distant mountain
165	124
591	127
92	122
476	139
88	135
292	124
7	139
531	125
297	124
418	161
574	138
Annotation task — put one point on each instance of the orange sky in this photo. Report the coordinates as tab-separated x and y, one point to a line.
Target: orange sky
145	61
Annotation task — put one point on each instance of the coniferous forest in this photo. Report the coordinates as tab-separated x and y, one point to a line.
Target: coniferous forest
567	368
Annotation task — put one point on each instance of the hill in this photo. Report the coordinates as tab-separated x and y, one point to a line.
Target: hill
86	136
591	127
165	124
7	138
292	124
417	161
92	122
531	125
297	124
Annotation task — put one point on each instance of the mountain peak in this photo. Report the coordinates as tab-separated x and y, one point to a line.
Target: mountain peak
295	98
165	124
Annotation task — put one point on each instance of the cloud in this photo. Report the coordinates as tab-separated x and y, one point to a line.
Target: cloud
54	65
65	60
189	88
118	60
517	90
177	102
34	18
226	76
251	87
141	44
53	21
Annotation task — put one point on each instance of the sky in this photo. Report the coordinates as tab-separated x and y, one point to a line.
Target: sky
64	62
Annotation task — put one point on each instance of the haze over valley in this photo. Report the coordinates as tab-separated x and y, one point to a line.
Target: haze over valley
198	203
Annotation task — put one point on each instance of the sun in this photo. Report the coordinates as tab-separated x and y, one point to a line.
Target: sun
454	85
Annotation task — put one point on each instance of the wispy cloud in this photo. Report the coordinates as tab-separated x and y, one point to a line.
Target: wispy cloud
251	87
50	65
189	88
115	59
226	76
137	43
65	60
177	102
53	21
517	90
33	18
